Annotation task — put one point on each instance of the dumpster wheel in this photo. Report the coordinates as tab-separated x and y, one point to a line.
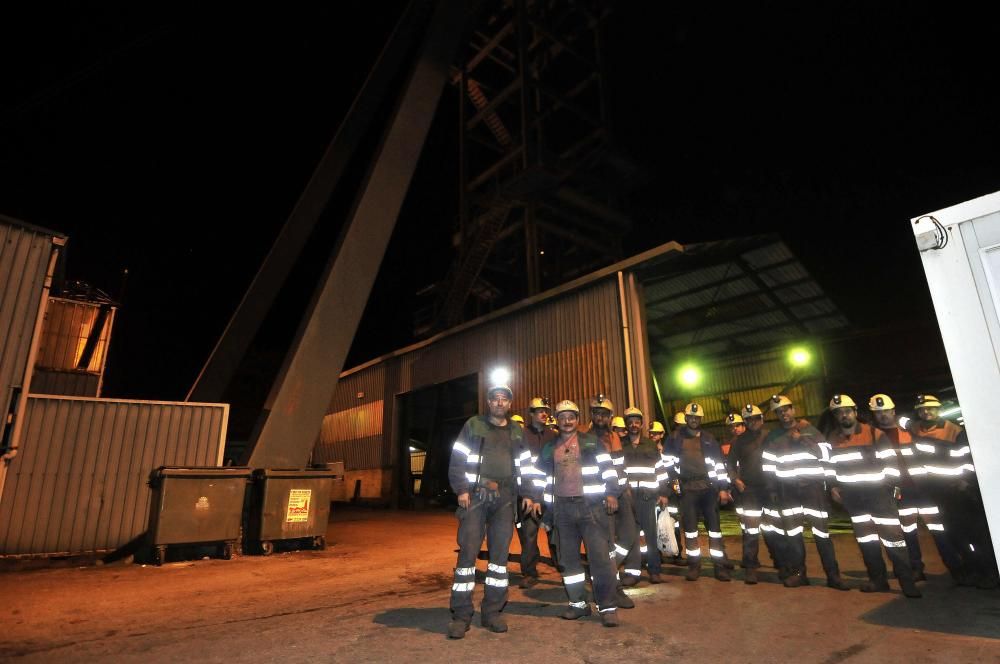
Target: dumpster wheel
319	542
159	554
267	547
227	551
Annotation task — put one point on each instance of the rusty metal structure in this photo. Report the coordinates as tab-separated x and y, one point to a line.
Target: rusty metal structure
540	179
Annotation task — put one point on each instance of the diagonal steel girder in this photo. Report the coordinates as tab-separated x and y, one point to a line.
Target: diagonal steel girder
216	375
293	413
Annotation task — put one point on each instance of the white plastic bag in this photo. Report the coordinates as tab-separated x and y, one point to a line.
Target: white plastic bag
666	540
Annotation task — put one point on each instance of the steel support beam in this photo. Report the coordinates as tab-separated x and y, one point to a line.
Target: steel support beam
218	371
293	414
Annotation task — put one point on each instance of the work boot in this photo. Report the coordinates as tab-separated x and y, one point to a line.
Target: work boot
909	588
496	624
609	618
919	576
750	576
655	578
693	572
572	613
784	573
528	582
870	586
796	579
836	582
457	629
678	560
629	580
622	600
722	573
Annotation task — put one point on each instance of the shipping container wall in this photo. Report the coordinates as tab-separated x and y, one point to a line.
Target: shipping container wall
25	255
79	481
567	347
65	383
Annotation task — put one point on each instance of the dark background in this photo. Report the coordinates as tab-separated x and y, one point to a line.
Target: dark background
173	143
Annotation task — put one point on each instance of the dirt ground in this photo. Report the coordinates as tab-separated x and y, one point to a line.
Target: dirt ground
380	592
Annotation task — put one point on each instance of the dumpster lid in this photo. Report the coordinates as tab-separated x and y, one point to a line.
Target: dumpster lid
295	473
202	471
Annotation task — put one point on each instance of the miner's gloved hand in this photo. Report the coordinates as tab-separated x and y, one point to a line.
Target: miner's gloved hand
464	500
612	503
662	501
528	506
741	486
835	494
724	497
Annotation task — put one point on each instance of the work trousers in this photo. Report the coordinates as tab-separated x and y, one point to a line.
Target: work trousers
916	505
645	517
528	529
491	517
585	520
965	525
626	535
786	518
750	510
699	504
876	524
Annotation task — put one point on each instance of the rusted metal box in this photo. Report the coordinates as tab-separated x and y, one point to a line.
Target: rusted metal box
289	504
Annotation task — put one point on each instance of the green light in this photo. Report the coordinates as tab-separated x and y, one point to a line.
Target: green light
799	357
689	376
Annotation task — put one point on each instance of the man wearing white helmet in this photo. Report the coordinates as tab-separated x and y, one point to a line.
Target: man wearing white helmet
793	461
943	451
748	478
693	457
862	470
581	492
536	434
489	462
913	501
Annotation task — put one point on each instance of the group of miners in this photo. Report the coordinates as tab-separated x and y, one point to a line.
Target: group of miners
603	486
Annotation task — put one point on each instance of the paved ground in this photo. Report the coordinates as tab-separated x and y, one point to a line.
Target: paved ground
380	592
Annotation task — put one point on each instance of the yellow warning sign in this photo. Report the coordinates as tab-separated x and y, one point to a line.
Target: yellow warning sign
298	505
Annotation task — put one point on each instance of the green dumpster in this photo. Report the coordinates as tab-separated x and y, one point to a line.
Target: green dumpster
289	504
196	506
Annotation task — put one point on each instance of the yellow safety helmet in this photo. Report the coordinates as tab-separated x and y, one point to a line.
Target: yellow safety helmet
617	422
751	410
679	417
733	418
842	401
927	401
601	401
539	402
694	409
881	402
779	401
566	406
633	412
517	418
657	427
550	421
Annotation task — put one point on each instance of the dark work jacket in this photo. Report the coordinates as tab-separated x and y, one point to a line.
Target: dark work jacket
463	469
745	458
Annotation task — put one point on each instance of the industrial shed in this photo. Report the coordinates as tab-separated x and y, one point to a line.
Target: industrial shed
731	309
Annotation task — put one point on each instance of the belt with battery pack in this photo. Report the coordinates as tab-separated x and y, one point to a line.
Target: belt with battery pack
488	490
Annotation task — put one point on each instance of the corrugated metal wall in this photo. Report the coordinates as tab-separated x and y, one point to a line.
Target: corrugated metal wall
24	262
66	383
568	347
78	482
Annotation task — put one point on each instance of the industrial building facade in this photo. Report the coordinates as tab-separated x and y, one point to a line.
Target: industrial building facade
732	308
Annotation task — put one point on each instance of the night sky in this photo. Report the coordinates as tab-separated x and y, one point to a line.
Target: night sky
175	143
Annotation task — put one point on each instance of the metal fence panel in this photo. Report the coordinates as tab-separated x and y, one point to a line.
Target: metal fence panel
78	482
